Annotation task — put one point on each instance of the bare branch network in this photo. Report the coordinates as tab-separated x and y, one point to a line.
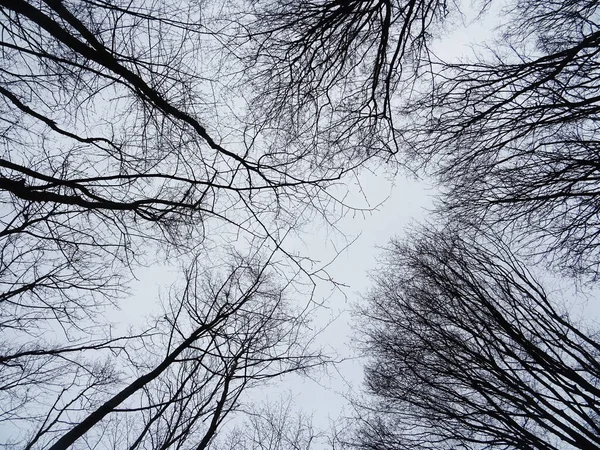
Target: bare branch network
126	139
207	134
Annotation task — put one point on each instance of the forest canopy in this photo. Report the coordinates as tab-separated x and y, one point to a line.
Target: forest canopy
208	136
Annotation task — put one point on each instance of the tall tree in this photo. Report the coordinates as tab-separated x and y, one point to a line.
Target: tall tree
273	426
512	133
120	143
467	350
327	73
220	335
107	147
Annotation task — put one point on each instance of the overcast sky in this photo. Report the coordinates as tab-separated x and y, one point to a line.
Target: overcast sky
402	201
396	202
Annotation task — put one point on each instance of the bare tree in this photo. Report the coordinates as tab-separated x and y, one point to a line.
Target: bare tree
327	73
273	426
104	150
105	147
512	132
219	337
467	350
120	144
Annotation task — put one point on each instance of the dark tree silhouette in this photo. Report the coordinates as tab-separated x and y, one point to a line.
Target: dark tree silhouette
509	132
327	74
105	150
512	134
219	337
121	144
467	350
273	426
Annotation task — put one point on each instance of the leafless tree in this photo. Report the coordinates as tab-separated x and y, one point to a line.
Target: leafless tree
105	151
273	426
120	140
327	73
511	133
220	336
467	350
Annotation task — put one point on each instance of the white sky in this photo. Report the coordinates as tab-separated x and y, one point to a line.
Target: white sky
405	201
402	200
408	201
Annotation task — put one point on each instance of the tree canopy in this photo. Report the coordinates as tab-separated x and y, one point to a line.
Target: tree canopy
206	134
125	140
468	350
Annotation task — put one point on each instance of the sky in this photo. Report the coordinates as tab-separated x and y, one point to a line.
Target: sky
400	201
396	201
408	202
